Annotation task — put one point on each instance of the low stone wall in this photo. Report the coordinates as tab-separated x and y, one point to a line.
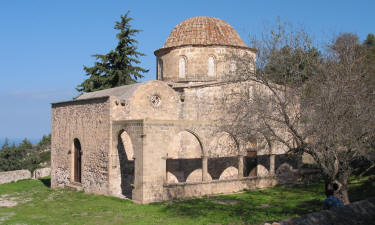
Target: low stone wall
188	190
357	213
42	172
7	177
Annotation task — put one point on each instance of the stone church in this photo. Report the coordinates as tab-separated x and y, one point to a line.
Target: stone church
158	140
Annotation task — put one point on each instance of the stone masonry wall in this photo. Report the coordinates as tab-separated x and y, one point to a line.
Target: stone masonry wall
119	162
41	172
152	100
207	102
9	176
188	190
196	68
159	146
89	122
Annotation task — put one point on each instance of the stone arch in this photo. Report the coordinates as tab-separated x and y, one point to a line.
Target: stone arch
261	171
253	172
286	174
285	165
196	176
127	144
223	150
185	144
182	64
223	144
229	173
184	155
123	166
171	178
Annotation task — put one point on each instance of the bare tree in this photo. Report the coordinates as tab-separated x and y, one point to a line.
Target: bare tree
306	101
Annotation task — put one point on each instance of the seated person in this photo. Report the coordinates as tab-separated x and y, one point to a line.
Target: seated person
331	201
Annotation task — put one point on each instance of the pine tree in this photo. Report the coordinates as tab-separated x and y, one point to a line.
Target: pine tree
117	67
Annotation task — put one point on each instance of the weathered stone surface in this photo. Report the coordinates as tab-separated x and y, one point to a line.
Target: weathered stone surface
41	172
87	121
160	139
7	177
188	190
357	213
203	30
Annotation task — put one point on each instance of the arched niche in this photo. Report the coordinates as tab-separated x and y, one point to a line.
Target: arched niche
211	66
77	161
229	173
182	67
196	176
223	145
262	171
123	166
184	155
286	174
185	145
127	145
171	178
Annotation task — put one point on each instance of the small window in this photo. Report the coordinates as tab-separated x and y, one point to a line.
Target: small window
182	67
211	66
233	66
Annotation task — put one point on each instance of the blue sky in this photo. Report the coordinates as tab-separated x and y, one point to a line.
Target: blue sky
44	44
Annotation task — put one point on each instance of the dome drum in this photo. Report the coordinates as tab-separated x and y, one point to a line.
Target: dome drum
197	50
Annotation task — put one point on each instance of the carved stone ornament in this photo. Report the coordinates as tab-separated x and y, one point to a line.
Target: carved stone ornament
155	100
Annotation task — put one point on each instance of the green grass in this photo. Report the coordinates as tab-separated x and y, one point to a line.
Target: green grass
38	204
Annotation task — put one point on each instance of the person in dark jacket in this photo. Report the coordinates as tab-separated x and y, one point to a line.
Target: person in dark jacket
331	201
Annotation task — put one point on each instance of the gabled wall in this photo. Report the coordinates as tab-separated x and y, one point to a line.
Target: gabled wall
89	122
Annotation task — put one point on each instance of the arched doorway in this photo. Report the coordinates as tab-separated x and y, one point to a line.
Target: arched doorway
77	161
125	166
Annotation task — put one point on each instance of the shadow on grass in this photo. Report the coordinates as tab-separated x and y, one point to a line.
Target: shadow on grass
362	190
249	208
46	181
254	207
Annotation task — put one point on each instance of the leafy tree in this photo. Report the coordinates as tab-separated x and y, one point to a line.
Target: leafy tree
25	155
44	143
329	117
117	67
284	63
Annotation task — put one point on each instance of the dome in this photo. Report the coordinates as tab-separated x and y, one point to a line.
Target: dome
203	30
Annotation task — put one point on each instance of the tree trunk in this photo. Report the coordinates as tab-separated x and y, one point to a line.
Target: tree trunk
342	193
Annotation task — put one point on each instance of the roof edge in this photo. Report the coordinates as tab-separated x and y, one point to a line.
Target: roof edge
167	49
80	100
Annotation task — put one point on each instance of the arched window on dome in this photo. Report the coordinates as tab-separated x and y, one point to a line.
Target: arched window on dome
233	66
182	67
211	66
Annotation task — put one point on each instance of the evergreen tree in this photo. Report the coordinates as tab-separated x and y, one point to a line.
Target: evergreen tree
117	67
369	43
5	144
370	40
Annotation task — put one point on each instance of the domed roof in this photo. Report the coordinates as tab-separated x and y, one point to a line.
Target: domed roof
203	30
